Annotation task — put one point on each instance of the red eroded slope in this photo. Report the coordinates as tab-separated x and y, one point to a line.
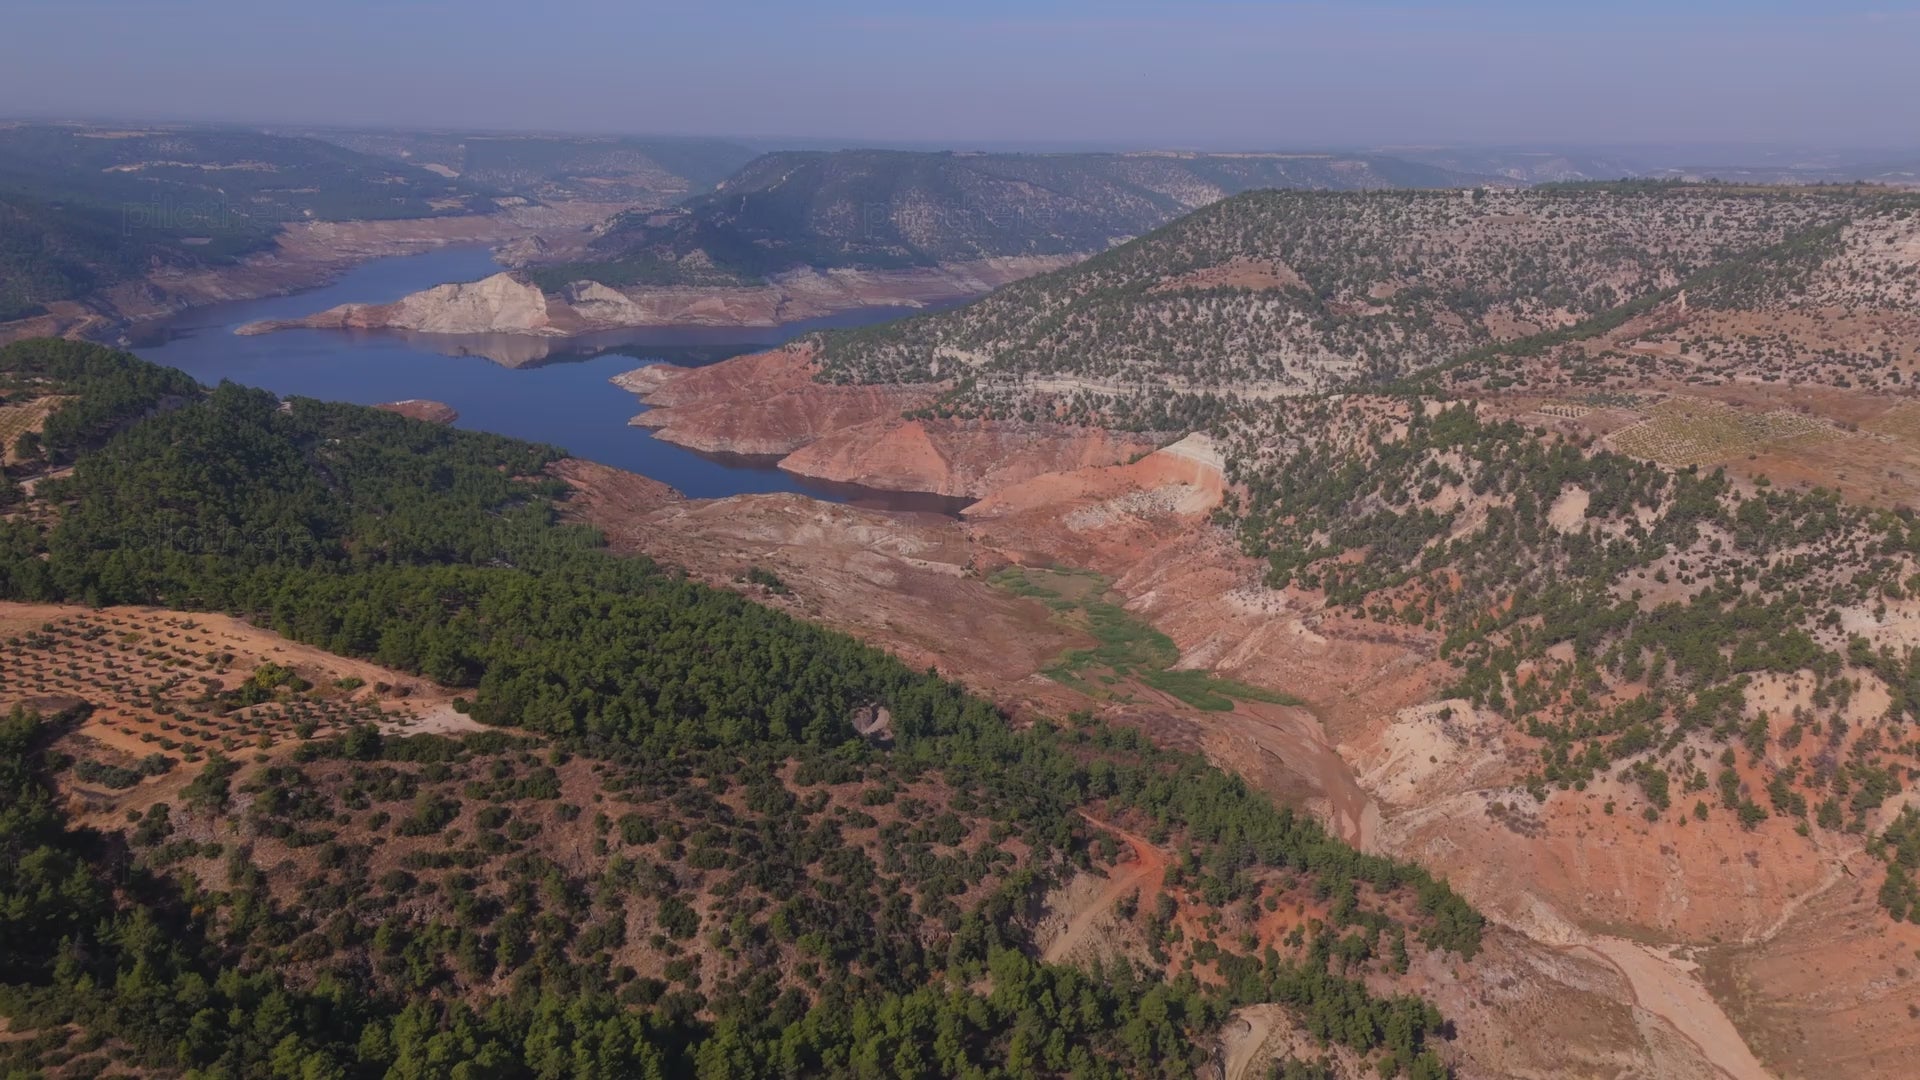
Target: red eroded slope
764	403
770	404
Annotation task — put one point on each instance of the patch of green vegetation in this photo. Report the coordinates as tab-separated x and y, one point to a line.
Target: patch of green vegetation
1127	647
1204	691
1899	845
767	579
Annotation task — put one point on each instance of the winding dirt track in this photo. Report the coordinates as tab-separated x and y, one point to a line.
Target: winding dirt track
1243	1046
1145	872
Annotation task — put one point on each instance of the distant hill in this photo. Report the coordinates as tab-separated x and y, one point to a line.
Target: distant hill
1528	165
656	169
1897	172
887	209
1286	292
246	174
1746	165
50	252
84	207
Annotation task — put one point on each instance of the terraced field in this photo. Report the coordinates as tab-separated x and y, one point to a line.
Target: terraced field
18	419
158	682
1696	431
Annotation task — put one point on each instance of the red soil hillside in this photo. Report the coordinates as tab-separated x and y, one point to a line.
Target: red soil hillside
765	403
770	404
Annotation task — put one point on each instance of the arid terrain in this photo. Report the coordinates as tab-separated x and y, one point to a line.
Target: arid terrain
1623	962
1652	933
1063	541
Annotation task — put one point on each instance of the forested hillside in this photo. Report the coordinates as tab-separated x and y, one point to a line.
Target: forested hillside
887	209
655	170
85	207
679	856
51	252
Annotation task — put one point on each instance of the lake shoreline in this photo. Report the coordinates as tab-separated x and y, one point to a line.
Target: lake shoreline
560	397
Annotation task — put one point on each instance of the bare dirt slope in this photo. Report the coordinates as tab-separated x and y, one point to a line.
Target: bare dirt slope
1086	911
915	584
770	404
1830	991
1668	948
905	581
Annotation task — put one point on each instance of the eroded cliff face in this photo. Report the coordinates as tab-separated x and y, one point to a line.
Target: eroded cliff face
764	404
768	404
599	304
968	458
498	304
1103	517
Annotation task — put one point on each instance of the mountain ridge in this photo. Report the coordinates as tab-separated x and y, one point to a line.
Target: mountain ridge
888	209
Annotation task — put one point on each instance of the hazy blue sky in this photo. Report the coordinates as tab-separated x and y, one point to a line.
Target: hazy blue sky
1363	71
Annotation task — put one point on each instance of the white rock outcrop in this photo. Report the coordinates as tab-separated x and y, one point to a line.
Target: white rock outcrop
500	304
495	305
598	303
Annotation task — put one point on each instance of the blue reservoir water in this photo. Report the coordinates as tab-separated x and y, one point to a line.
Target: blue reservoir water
557	393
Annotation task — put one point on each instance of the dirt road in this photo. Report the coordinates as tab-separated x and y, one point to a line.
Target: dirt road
1145	871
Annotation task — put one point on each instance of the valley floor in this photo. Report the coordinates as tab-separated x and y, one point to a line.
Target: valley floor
1646	950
